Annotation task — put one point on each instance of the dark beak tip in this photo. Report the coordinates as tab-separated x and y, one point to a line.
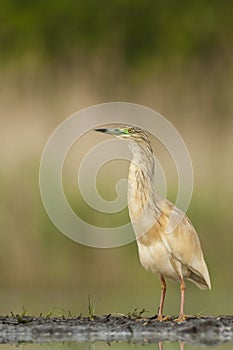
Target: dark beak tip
101	130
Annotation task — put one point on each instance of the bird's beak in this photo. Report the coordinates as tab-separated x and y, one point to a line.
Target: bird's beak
112	131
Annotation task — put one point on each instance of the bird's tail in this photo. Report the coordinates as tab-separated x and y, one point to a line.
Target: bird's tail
200	278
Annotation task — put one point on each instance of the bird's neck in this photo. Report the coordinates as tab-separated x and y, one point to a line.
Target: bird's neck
141	189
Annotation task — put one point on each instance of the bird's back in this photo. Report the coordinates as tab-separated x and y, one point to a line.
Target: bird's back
174	253
185	245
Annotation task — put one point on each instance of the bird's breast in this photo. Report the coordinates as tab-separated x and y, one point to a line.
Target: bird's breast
154	257
142	218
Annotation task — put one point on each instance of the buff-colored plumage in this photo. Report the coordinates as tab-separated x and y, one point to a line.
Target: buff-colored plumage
172	253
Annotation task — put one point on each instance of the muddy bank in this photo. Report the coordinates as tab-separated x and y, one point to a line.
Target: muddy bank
201	331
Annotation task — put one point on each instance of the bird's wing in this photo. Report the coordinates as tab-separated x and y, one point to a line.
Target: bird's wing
184	245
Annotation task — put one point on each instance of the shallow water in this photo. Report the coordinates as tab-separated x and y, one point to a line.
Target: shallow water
112	346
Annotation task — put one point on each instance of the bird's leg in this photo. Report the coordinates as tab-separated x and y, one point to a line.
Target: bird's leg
182	290
182	316
163	293
181	345
160	345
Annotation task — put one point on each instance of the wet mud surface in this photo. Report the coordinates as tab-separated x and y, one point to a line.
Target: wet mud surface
200	331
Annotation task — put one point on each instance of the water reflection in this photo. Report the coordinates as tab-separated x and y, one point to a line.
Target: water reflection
113	346
160	345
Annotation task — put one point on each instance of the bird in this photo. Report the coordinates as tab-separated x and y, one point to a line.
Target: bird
176	255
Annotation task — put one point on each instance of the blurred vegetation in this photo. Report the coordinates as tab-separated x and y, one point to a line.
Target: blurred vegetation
57	57
136	30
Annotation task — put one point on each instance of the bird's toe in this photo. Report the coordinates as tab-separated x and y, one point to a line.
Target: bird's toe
181	319
163	318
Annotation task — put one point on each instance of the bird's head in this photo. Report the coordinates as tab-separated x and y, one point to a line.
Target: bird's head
128	133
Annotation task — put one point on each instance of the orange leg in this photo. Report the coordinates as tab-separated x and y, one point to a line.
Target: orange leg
182	290
182	316
181	345
163	293
160	345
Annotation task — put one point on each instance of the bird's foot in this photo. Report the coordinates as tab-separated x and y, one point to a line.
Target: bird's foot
181	318
161	318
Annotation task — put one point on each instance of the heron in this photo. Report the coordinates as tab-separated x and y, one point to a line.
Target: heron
174	254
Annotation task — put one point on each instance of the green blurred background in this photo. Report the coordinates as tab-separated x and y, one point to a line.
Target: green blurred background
57	57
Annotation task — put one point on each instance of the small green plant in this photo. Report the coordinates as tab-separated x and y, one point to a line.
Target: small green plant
59	312
50	313
136	313
24	311
91	308
69	314
198	315
22	318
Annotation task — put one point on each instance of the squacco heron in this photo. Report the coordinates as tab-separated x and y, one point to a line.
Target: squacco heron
177	254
